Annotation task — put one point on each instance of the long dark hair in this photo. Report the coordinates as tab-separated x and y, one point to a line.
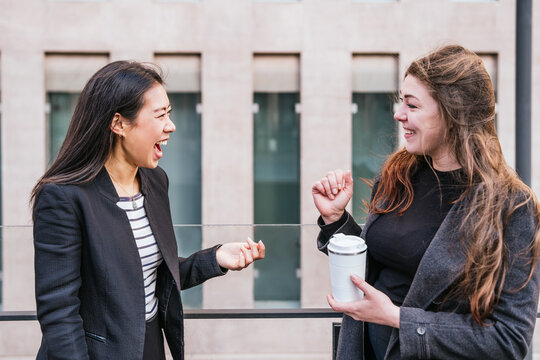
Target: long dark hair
118	87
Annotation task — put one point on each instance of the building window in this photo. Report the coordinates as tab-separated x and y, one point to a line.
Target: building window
375	82
182	156
276	137
65	77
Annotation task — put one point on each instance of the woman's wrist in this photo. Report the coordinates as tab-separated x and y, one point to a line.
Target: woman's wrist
332	218
394	317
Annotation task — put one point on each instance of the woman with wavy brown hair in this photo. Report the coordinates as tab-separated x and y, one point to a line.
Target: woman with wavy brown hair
452	233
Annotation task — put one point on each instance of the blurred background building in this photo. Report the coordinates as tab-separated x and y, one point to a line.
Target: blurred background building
267	96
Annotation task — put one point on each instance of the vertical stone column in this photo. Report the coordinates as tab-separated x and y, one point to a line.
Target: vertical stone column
227	141
23	162
326	124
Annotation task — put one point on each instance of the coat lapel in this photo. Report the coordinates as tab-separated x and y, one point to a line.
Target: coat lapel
370	220
440	266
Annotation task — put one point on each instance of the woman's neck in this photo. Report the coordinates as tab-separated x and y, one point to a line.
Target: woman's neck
123	176
445	161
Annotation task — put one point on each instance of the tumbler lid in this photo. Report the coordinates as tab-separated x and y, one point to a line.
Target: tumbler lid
342	244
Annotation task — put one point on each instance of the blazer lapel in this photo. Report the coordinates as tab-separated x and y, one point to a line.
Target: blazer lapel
157	210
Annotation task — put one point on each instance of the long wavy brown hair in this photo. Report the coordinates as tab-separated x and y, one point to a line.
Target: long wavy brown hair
460	84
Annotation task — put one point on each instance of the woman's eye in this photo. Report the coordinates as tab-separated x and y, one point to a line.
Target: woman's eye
411	106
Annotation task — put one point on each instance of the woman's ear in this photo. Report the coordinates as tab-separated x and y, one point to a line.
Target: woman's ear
117	125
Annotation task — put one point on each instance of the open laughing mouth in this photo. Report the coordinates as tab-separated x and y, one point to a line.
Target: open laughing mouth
157	148
160	143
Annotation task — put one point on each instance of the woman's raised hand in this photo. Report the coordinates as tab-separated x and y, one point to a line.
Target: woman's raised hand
332	193
238	255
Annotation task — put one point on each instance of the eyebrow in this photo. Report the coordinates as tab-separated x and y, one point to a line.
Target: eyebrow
407	96
163	109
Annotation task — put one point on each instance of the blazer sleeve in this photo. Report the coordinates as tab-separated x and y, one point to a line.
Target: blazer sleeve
57	263
199	267
424	334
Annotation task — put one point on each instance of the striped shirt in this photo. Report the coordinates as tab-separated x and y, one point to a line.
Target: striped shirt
148	249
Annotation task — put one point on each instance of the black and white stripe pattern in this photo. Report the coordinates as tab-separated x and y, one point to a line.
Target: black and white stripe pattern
148	249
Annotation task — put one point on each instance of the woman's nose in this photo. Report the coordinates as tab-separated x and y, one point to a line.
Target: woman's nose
400	114
170	127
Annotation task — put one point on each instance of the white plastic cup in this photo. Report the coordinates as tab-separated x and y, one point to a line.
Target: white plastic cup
347	255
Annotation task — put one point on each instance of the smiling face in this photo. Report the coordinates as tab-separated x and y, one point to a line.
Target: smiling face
419	114
141	140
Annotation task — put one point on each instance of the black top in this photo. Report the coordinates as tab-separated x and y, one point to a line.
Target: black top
398	242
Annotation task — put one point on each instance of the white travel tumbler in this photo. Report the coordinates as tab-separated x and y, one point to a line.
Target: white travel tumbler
347	255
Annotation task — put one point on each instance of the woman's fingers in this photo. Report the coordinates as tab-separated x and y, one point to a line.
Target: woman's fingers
331	302
247	255
348	183
262	249
361	284
318	188
337	306
242	258
332	182
253	247
327	188
339	178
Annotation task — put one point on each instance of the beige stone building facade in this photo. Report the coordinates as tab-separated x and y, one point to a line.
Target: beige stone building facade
324	51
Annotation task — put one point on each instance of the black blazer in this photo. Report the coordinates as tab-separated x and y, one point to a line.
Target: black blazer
89	285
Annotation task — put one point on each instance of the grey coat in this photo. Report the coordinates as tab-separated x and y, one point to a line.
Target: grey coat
433	329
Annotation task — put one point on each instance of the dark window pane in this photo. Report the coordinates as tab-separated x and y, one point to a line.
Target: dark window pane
374	137
182	162
62	108
277	198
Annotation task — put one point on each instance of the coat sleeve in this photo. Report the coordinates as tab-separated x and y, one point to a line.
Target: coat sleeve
57	263
199	267
426	335
346	225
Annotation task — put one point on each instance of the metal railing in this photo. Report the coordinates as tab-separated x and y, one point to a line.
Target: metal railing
215	314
